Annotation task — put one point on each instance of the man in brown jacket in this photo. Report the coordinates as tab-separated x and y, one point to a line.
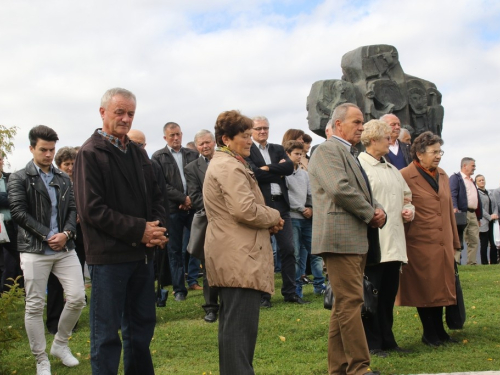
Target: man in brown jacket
344	209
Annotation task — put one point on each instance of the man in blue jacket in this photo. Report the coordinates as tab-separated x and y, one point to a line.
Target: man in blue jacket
466	199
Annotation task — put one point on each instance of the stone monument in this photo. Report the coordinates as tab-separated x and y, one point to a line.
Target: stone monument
374	80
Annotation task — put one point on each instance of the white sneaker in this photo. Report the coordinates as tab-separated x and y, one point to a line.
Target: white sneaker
64	354
43	368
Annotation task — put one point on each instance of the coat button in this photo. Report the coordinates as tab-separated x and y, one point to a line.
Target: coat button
134	244
442	244
441	229
439	213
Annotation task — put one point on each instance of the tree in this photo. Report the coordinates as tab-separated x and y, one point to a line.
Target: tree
7	139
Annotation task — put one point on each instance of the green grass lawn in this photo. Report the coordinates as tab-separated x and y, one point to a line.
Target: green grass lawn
293	339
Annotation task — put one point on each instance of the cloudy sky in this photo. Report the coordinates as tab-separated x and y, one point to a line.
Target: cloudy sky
187	61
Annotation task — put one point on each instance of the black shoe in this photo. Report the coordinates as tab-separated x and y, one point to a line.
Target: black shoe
265	303
180	297
210	317
448	340
296	299
379	353
305	280
398	349
433	344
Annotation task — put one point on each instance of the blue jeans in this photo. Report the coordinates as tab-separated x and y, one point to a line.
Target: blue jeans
277	260
123	296
193	264
302	236
178	221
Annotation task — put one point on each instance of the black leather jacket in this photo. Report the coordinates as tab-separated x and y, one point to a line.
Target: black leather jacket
170	171
30	207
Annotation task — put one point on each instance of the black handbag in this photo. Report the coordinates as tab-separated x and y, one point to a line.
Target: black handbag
455	314
370	297
461	219
196	245
328	297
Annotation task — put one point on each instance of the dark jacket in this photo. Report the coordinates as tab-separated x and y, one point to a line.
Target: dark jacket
112	235
459	195
172	175
277	170
30	207
195	175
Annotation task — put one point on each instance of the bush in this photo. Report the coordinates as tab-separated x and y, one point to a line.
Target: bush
9	302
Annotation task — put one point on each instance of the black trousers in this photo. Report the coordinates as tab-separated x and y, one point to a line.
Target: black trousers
286	251
378	328
486	238
211	294
11	259
238	327
432	322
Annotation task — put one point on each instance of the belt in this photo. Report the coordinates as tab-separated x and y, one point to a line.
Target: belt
275	198
471	210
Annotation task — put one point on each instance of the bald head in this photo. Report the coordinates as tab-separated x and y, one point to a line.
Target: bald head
394	123
137	136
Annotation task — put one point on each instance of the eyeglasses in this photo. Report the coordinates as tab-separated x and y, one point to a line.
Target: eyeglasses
435	153
262	128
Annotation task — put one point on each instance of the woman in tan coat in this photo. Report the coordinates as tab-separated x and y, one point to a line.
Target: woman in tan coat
428	281
238	253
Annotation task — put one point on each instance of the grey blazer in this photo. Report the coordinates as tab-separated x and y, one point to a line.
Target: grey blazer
485	197
342	203
195	175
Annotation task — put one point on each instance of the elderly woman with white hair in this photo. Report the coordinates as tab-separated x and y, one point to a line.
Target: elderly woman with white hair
391	191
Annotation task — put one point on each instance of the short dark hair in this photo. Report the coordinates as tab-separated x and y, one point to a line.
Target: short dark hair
170	125
63	154
307	138
423	141
230	124
42	132
291	145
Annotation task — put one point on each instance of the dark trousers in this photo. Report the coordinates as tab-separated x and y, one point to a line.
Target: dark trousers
11	260
238	327
178	221
486	238
378	328
286	251
432	322
123	296
211	294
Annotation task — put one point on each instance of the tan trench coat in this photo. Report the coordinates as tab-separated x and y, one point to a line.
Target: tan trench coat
431	239
238	251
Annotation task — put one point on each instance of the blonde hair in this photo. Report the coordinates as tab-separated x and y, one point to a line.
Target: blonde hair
374	129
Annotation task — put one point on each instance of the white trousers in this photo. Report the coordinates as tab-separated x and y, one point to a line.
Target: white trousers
37	268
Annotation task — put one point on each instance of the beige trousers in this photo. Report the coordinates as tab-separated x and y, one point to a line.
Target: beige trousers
36	269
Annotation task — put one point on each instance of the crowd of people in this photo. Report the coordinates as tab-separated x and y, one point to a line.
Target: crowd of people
388	213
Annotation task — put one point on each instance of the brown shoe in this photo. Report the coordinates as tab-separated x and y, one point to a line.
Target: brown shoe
195	286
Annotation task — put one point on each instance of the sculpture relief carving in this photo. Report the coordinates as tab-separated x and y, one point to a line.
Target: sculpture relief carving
374	79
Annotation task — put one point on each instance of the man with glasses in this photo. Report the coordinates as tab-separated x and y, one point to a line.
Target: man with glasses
399	152
270	165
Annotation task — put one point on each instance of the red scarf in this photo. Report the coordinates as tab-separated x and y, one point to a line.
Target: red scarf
431	173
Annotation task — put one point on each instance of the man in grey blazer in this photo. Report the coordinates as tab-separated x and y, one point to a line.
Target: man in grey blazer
344	210
195	171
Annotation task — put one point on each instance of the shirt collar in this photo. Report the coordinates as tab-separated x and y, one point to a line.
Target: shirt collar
465	177
172	150
40	171
115	141
260	147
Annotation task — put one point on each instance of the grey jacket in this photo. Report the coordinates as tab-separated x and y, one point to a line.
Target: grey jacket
485	197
